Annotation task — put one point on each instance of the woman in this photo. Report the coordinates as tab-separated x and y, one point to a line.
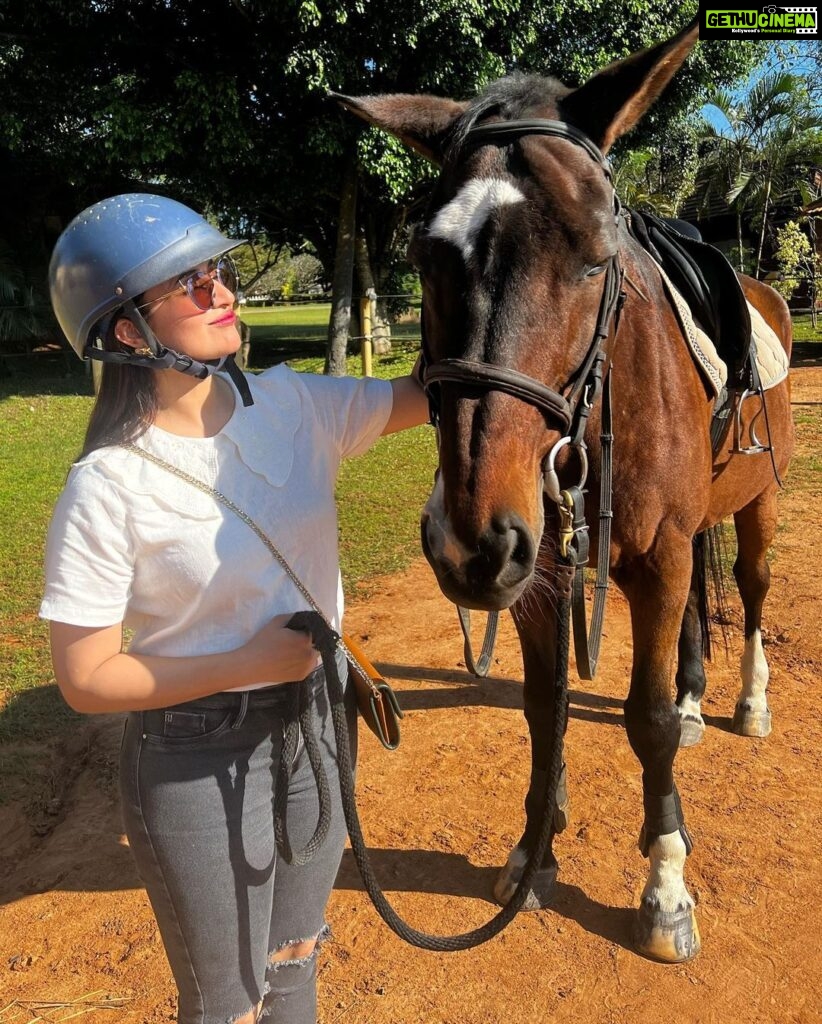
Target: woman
209	677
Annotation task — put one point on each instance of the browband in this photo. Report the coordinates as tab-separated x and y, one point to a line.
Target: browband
501	133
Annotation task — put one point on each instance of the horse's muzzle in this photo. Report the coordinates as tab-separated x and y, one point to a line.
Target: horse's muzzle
492	573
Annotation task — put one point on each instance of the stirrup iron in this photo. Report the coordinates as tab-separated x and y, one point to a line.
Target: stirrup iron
756	447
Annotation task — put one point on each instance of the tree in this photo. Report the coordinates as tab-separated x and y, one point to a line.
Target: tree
770	139
797	262
657	178
225	107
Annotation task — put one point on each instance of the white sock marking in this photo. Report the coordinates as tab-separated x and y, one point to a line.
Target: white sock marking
755	674
689	706
666	882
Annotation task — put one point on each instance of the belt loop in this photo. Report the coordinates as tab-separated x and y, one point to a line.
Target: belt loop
238	721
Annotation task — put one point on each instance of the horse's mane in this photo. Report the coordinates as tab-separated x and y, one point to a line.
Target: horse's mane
515	96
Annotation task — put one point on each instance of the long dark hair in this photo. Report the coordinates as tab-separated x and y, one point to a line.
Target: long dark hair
126	403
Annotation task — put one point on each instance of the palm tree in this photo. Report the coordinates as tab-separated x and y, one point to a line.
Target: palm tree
763	151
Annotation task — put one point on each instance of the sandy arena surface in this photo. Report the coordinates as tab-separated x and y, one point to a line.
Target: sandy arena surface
441	814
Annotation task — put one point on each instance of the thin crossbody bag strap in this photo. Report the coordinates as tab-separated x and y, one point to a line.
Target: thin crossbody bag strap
303	713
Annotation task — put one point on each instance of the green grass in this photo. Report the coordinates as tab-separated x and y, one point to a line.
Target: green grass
803	328
284	332
42	422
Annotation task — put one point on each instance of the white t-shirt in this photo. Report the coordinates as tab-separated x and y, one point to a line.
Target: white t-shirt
129	542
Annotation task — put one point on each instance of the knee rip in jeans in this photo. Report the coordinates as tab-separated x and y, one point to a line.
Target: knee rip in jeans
291	953
249	1017
296	952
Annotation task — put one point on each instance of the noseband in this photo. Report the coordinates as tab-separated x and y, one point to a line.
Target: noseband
570	412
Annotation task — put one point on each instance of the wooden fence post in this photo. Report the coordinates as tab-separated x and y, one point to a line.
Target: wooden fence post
366	320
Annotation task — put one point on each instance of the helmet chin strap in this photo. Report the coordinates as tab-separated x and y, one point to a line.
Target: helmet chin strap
157	357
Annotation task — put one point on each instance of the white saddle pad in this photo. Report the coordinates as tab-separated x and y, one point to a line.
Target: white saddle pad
771	358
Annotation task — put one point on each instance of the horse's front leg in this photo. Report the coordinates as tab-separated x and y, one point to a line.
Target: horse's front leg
657	589
535	620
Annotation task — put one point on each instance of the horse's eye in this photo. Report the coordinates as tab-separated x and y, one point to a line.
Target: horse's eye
593	271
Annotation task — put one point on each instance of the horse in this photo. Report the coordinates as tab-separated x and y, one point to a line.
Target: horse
521	252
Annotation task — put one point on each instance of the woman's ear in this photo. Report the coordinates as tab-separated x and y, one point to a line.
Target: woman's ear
126	333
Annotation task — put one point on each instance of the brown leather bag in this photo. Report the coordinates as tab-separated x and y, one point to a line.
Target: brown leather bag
376	701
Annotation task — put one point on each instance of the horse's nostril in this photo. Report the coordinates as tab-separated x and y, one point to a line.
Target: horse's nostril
523	549
508	543
522	552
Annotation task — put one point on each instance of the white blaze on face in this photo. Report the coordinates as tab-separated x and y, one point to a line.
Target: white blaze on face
460	221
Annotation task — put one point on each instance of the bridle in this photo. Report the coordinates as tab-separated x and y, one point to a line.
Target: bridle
570	410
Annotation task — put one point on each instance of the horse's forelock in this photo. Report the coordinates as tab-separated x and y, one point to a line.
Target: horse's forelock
513	97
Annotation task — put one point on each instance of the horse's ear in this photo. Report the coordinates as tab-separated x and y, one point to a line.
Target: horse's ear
421	122
612	102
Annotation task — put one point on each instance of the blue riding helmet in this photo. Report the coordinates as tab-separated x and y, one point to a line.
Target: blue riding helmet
114	251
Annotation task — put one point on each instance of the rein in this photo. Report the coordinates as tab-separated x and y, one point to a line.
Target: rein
569	411
325	640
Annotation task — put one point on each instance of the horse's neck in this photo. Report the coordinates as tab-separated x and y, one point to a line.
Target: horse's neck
642	283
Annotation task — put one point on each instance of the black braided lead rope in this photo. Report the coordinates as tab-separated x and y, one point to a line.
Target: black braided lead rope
326	640
300	720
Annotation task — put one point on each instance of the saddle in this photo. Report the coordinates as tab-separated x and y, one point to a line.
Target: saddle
710	287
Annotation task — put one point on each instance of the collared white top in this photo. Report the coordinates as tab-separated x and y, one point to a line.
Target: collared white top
129	542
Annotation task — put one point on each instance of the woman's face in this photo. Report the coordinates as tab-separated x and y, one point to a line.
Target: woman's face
180	324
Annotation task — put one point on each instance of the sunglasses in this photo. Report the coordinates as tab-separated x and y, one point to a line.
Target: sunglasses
199	285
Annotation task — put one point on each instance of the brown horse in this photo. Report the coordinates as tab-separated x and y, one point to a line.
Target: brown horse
521	232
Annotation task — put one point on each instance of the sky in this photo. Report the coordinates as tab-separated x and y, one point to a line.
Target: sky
800	61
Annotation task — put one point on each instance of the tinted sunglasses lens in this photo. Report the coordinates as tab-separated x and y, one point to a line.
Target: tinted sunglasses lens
227	273
200	287
200	284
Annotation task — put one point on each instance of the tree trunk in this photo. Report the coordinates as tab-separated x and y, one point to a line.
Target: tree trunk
764	225
380	327
340	320
814	271
739	240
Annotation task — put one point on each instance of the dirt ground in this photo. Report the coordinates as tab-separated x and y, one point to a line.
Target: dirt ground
441	814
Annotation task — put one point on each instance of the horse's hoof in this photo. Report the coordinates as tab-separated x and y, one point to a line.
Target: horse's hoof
691	730
562	807
668	937
542	888
748	721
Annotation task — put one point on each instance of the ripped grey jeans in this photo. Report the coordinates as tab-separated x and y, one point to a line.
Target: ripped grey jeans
198	787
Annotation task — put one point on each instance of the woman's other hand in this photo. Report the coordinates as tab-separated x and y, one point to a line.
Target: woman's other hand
281	654
410	408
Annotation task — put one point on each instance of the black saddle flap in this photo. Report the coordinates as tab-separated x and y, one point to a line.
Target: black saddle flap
707	282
